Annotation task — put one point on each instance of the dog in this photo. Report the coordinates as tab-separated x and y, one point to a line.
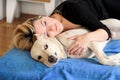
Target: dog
49	50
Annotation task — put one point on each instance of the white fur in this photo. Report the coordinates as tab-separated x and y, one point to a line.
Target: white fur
56	48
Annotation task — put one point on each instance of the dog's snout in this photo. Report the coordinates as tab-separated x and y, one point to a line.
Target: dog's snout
52	59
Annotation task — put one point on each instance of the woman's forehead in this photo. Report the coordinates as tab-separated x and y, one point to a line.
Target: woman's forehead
42	18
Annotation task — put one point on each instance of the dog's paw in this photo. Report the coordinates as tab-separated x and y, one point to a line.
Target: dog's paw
111	62
115	56
115	62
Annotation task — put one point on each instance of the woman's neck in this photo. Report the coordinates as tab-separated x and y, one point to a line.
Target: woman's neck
56	16
66	24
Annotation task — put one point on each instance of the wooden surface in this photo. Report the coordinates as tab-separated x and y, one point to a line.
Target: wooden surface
6	31
42	0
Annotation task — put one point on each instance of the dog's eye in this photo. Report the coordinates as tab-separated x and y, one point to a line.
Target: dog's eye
55	53
46	46
39	57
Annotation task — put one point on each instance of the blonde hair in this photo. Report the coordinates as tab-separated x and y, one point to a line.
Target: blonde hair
23	35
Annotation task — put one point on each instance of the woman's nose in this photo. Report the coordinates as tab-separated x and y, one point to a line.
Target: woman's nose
52	28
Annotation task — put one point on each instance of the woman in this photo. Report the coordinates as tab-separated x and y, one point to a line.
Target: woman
68	15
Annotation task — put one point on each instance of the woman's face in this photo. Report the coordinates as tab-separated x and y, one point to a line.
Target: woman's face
48	26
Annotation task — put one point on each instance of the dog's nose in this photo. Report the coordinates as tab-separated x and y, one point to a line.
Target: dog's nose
52	59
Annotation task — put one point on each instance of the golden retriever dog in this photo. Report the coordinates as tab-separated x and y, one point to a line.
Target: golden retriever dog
49	50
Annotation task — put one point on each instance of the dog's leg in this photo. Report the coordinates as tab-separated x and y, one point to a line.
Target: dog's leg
114	26
97	48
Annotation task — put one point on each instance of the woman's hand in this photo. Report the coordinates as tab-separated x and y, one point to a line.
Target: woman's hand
80	43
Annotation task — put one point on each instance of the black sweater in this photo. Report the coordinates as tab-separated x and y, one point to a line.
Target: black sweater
87	13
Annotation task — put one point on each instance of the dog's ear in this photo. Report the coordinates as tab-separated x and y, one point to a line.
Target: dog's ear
37	36
34	38
40	36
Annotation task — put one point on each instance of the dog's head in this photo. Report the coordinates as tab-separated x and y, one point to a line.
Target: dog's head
47	50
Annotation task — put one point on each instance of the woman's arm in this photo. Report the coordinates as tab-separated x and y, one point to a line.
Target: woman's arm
98	35
82	41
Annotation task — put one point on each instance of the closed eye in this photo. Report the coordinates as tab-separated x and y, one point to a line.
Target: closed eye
44	23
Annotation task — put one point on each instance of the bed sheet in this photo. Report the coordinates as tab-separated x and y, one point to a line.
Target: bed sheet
18	65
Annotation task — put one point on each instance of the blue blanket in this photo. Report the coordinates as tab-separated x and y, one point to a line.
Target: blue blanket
18	65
